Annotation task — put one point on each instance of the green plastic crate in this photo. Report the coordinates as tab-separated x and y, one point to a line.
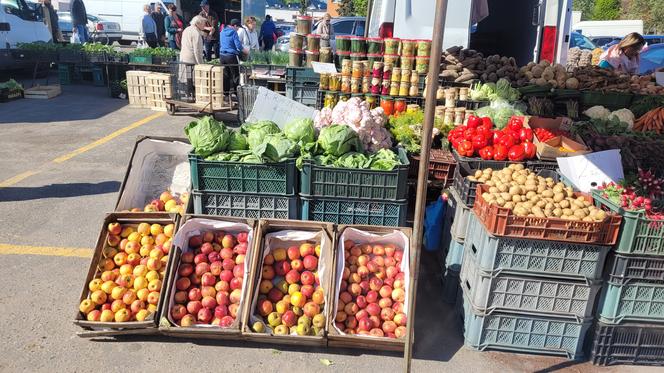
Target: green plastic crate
245	205
237	177
298	75
638	234
610	100
98	76
145	60
305	93
66	73
348	211
322	181
635	301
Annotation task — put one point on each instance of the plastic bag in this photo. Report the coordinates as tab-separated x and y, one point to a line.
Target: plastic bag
433	225
75	39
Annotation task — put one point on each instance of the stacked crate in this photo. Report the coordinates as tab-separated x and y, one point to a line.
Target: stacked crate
159	88
528	295
630	314
355	196
247	190
137	89
209	86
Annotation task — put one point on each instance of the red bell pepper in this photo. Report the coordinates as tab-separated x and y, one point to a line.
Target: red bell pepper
479	141
530	149
486	121
468	134
507	140
515	124
486	153
465	148
516	153
526	134
500	152
473	121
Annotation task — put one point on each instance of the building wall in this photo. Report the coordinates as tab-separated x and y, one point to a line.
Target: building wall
332	8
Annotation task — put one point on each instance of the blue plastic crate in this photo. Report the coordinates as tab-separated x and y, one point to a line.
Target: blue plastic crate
633	301
451	288
533	257
462	213
454	256
511	293
354	211
524	333
245	205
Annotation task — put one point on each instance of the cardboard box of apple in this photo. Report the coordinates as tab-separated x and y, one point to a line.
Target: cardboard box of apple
210	277
167	202
126	277
371	284
290	293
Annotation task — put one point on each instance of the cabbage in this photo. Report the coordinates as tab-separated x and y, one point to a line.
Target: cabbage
338	139
300	131
505	91
207	136
238	141
325	160
275	148
353	160
384	160
256	132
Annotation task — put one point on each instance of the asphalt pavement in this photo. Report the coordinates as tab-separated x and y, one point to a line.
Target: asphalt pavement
61	164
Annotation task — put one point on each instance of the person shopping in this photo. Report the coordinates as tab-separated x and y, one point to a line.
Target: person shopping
149	28
211	38
173	25
267	34
79	20
191	53
624	56
50	17
230	52
248	35
325	31
158	17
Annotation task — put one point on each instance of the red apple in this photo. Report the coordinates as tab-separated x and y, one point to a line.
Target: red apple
180	297
400	331
376	332
307	278
385	303
238	271
204	315
201	268
311	309
236	283
351	308
361	301
200	258
206	248
307	291
364	324
390	249
310	262
242	237
364	285
264	307
194	306
178	311
214	257
187	257
307	249
222	286
345	297
182	283
226	321
226	253
209	302
373	309
389	326
376	321
267	273
226	275
282	267
351	322
195	294
398	255
220	311
275	295
241	248
208	237
208	291
293	253
216	268
297	265
222	298
289	318
387	314
385	291
293	277
208	279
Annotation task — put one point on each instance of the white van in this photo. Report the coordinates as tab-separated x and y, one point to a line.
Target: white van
528	30
128	13
18	24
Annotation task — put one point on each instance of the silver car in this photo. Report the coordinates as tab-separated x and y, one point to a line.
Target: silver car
100	30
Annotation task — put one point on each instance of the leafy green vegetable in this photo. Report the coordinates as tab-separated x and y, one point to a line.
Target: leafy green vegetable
256	132
353	160
275	148
406	128
505	91
325	160
384	160
207	136
645	104
339	139
12	85
300	131
238	141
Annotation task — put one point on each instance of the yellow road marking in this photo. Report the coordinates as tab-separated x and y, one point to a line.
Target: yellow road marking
16	179
20	177
107	138
44	250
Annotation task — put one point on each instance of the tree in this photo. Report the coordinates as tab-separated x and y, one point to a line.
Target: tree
360	7
606	10
650	11
585	7
345	8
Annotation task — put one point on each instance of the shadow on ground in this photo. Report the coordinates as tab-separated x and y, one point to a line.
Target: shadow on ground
13	194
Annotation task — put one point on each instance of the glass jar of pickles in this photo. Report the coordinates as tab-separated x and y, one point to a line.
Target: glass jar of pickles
408	62
458	115
408	47
330	100
394	89
366	84
405	76
387	103
324	82
450	98
377	69
414	91
415	78
345	84
346	67
371	100
355	85
449	116
400	105
357	69
412	108
385	88
396	74
463	94
404	89
334	82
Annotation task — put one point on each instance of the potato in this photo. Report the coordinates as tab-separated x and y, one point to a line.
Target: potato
503	187
564	204
579	203
520	211
509	205
478	174
500	201
472	178
558	197
568	212
521	180
494	190
506	196
600	215
516	198
580	214
515	190
488	197
540	189
557	188
548	206
548	212
588	219
531	188
541	204
558	212
528	205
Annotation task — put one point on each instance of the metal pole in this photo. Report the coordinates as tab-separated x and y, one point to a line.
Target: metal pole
429	113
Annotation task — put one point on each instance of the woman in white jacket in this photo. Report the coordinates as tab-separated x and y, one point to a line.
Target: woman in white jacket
248	35
191	51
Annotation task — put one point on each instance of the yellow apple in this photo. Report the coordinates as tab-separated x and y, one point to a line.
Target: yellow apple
140	283
107	316
143	229
122	315
95	284
86	306
142	315
134	237
168	230
118	292
98	297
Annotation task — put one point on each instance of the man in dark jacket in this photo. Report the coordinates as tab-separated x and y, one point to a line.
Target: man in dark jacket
50	17
158	17
79	20
211	41
231	49
268	29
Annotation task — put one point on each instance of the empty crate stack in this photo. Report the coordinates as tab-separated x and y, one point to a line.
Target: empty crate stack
529	283
244	190
209	86
355	196
630	314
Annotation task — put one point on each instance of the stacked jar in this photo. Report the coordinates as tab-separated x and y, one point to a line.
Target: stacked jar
313	49
343	49
296	53
346	75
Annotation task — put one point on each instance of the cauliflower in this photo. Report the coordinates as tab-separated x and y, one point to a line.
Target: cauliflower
624	115
598	112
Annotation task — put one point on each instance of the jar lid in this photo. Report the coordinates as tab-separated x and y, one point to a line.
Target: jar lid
424	40
343	53
386	98
357	38
375	40
392	39
312	52
375	55
423	57
343	37
358	54
313	36
391	55
296	51
304	17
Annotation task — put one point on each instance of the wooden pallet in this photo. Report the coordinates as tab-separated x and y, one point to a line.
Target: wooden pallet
43	92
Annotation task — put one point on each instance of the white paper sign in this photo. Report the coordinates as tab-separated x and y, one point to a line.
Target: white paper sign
277	108
324	68
589	171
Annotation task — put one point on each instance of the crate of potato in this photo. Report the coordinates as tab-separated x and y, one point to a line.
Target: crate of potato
370	288
208	281
123	288
289	293
518	203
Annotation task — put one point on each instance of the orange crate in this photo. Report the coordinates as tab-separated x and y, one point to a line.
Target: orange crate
500	221
441	166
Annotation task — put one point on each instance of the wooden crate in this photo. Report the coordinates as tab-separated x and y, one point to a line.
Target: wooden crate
169	327
209	87
336	339
266	226
94	329
159	88
42	92
137	88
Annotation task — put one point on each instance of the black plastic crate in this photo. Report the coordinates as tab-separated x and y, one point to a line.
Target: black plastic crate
538	165
296	75
627	268
628	343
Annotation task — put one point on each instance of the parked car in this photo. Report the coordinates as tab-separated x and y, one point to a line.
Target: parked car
654	39
284	28
100	30
274	4
346	26
601	41
652	59
580	41
18	24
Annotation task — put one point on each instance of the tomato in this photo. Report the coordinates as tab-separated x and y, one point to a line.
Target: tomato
515	124
516	153
486	153
479	142
473	121
500	152
507	140
486	121
526	134
530	149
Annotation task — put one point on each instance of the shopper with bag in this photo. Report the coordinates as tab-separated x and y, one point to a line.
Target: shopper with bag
79	21
149	28
248	35
268	33
230	52
50	17
174	25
